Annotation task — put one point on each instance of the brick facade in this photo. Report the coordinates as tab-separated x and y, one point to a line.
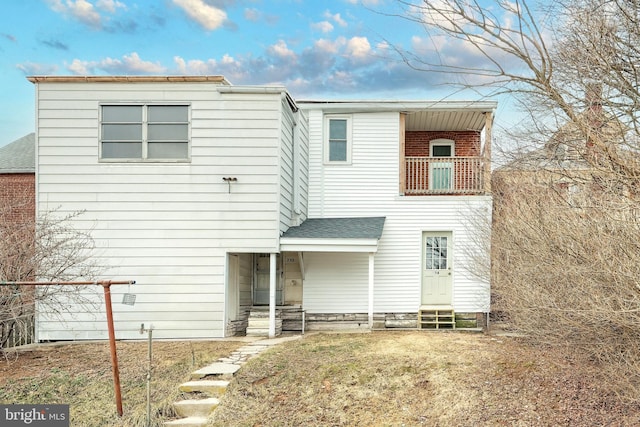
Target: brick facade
17	198
466	173
467	143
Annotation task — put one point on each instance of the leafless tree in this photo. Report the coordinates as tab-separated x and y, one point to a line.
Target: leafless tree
566	231
45	248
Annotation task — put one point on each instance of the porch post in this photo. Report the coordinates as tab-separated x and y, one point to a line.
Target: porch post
272	295
371	275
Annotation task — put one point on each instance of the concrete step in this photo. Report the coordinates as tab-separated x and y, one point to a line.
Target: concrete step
211	388
223	370
196	407
188	422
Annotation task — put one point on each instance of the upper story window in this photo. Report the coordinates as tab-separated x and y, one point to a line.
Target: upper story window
337	140
442	148
144	132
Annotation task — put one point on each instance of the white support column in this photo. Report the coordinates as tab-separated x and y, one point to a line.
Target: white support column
371	276
272	295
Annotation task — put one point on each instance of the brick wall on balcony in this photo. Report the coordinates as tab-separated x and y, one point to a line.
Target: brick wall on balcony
467	143
17	198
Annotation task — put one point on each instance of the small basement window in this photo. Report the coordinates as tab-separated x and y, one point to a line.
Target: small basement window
144	132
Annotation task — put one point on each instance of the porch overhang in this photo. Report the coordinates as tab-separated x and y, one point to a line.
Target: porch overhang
334	235
337	235
328	245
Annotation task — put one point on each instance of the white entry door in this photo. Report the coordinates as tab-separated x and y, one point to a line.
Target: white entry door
437	255
262	279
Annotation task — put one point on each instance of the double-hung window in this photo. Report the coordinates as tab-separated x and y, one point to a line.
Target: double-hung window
337	140
145	132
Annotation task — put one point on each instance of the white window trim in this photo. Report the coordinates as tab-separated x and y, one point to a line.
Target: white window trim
325	144
442	141
145	122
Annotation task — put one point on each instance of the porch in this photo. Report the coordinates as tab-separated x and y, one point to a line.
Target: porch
445	175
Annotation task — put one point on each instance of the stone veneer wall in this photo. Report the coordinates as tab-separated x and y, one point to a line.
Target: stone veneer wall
292	321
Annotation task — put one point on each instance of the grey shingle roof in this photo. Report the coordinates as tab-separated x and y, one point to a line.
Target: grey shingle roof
19	156
338	228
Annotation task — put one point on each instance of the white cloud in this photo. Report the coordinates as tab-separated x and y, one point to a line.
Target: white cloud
35	69
328	46
358	47
367	3
81	10
281	50
110	6
324	26
335	18
129	64
209	17
78	67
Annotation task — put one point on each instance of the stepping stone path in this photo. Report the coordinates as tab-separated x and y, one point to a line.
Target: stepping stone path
208	384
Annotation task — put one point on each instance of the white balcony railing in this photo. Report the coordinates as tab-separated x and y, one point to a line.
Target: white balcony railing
444	175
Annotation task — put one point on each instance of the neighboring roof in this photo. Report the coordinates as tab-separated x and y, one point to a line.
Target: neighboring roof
420	115
334	235
19	156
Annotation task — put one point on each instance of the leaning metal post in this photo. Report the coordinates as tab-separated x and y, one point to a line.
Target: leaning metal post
112	344
106	284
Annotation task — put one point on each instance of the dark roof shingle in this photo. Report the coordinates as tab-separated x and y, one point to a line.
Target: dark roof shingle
19	156
338	228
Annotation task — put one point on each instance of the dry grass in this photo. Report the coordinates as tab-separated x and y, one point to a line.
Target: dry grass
80	375
408	378
417	378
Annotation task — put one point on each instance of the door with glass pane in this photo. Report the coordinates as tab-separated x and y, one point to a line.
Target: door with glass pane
437	255
262	279
440	166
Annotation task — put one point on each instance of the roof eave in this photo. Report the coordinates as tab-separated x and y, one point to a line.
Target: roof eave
295	244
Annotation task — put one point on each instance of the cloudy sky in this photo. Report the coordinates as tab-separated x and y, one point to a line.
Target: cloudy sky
315	48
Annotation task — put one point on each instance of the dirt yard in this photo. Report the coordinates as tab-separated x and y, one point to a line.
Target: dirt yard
408	378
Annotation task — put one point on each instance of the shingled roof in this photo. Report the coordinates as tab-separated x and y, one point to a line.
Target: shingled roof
19	156
338	228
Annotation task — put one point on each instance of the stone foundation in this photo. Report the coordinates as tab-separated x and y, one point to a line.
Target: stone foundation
291	321
238	328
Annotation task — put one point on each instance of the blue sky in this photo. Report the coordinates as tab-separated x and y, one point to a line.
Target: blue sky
315	48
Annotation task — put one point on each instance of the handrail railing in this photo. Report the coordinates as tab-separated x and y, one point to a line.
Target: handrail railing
444	175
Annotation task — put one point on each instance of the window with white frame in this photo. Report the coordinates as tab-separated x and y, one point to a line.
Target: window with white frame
337	139
144	132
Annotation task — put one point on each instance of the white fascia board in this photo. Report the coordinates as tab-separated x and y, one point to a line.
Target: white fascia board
403	106
292	244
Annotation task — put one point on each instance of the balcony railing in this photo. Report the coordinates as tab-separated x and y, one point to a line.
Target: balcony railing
444	175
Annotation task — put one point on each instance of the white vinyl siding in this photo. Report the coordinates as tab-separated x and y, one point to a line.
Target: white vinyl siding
336	282
369	187
168	226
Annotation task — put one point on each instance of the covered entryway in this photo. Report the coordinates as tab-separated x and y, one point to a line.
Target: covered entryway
337	236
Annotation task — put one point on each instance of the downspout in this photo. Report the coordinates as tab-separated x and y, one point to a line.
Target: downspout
296	169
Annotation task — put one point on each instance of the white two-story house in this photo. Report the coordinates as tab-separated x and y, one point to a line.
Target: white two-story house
237	209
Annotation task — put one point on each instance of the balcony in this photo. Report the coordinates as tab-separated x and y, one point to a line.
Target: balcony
445	175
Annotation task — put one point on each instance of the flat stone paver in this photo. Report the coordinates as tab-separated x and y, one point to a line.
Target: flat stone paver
218	369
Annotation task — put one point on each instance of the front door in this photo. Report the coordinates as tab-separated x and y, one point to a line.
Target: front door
262	278
436	268
441	170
